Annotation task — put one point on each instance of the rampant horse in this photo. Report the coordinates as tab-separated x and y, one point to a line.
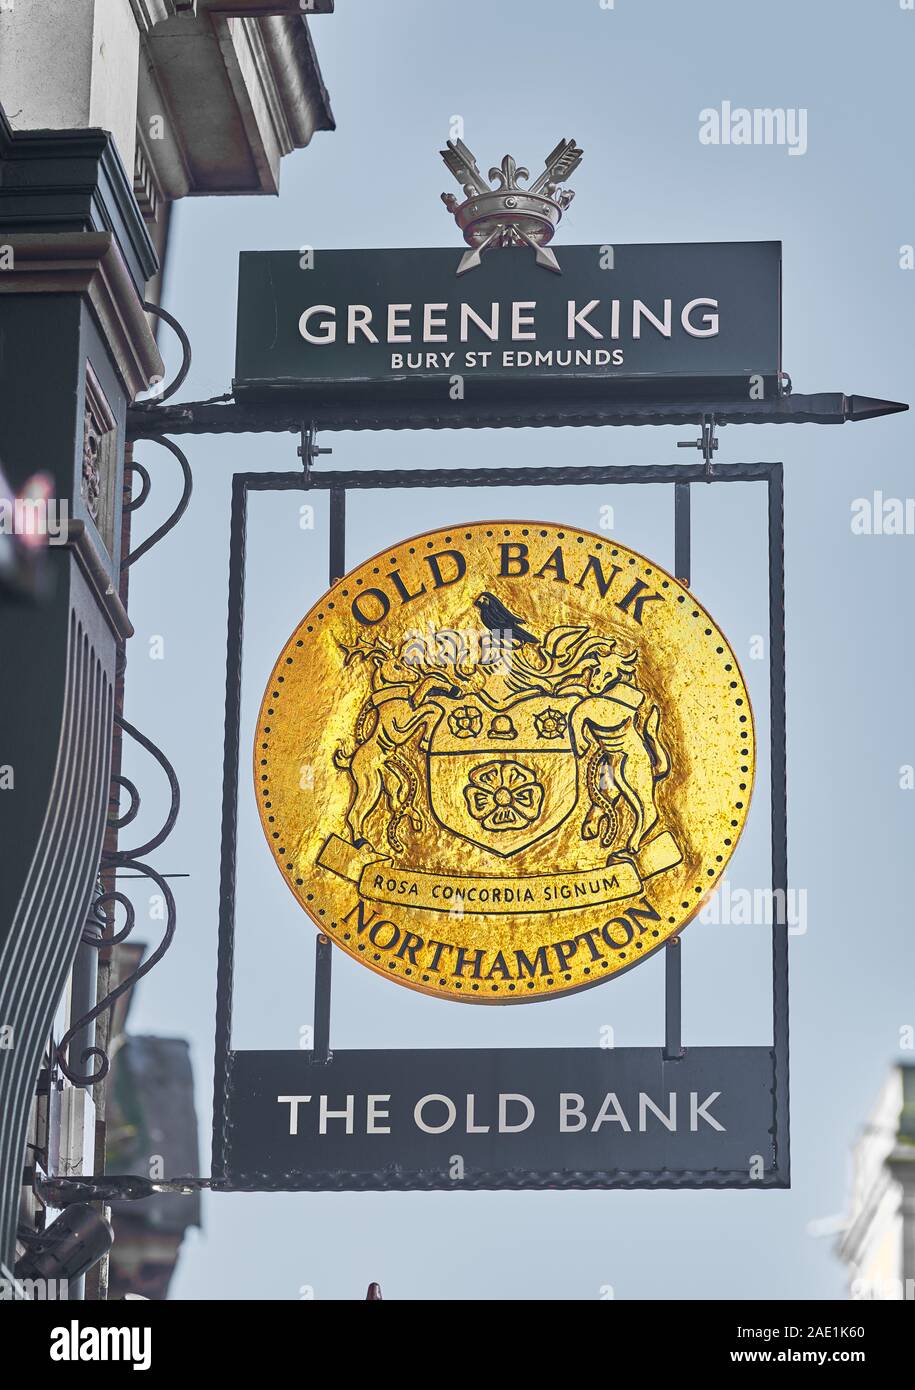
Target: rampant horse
395	711
611	729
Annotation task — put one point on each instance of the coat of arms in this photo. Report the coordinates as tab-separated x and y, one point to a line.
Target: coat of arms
496	753
524	757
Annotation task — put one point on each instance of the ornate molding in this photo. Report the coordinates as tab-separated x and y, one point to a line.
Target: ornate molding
100	458
99	580
72	181
146	188
90	263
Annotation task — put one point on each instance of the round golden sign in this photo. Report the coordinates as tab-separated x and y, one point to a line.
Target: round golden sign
504	761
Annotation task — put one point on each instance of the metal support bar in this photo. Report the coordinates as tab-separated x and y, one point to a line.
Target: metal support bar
682	555
673	992
323	961
337	533
324	950
283	415
779	793
599	475
61	1190
226	952
673	1044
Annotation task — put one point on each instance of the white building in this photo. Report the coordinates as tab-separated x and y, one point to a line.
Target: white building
878	1244
201	96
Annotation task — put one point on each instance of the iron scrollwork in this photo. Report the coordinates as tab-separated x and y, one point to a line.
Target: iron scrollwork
134	859
146	546
123	860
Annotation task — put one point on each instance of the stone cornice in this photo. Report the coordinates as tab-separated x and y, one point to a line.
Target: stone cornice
299	84
235	106
90	264
149	13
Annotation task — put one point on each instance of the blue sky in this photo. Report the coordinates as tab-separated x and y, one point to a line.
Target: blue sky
628	83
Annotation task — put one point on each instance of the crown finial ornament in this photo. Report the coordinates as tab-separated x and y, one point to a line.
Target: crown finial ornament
509	215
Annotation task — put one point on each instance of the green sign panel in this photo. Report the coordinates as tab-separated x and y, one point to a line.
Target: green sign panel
682	321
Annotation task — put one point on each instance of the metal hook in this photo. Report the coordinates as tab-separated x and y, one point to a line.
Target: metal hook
308	449
707	442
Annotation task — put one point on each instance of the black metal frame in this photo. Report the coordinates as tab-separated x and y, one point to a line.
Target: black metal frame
338	483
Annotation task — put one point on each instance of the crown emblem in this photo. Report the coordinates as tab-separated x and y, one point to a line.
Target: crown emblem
509	215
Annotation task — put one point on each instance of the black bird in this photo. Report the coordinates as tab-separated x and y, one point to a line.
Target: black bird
498	618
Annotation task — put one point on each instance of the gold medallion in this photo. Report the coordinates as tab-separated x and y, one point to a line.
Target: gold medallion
504	761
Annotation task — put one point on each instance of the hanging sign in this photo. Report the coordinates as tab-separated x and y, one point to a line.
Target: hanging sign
685	319
476	1118
510	319
504	761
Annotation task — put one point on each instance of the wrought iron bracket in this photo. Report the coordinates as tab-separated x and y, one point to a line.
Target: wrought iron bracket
186	357
61	1192
108	1001
124	859
284	414
180	509
94	933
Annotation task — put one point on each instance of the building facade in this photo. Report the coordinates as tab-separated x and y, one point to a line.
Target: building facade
878	1242
112	110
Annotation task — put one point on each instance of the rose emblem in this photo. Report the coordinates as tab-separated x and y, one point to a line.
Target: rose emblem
503	795
465	722
550	723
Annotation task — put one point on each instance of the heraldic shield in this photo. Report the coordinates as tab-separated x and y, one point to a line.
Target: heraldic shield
503	776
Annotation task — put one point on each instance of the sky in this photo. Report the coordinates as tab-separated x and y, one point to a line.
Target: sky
628	82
